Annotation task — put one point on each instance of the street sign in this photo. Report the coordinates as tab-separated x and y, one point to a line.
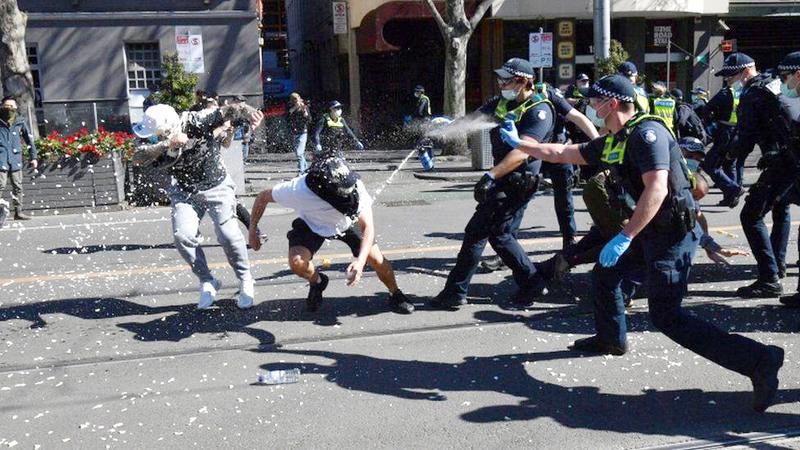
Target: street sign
540	49
565	71
189	46
728	46
339	18
662	34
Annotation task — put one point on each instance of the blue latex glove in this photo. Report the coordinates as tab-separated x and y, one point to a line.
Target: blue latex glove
509	134
614	249
359	145
407	120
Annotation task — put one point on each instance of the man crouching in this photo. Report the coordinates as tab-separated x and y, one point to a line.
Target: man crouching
332	204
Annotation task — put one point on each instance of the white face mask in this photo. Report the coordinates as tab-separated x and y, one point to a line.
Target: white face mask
509	94
417	94
738	85
335	113
788	90
592	115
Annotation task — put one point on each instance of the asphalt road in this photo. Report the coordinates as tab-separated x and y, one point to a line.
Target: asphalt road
100	344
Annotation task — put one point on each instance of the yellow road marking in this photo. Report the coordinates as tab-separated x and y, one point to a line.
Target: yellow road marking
145	270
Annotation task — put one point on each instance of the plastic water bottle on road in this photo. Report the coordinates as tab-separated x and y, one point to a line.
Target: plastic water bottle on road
279	377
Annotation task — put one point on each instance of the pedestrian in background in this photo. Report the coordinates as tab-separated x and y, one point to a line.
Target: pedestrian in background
298	118
13	132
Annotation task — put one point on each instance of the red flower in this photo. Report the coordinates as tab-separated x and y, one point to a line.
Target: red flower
83	131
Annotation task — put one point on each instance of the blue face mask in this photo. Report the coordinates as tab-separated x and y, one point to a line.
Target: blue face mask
789	92
693	165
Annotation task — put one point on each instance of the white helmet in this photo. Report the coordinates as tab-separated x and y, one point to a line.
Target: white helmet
158	120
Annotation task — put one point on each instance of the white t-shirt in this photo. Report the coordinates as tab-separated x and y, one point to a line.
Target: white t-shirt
320	216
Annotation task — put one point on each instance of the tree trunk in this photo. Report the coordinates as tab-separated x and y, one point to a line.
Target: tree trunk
455	76
14	68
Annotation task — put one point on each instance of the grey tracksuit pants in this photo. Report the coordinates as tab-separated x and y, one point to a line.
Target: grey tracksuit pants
220	204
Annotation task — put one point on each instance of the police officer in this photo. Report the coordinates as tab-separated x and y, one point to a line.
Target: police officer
562	175
662	105
574	92
504	191
14	138
762	121
422	111
721	111
331	131
628	70
661	236
699	100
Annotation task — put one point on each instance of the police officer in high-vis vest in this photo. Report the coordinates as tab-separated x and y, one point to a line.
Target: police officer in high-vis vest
721	110
574	92
662	105
660	237
628	70
332	131
762	120
504	191
422	111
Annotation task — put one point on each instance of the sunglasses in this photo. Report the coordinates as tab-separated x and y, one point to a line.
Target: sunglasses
504	81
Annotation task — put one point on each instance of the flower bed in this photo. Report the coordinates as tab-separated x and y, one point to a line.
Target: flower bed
79	170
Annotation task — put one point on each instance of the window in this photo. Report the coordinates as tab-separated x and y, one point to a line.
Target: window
33	62
144	65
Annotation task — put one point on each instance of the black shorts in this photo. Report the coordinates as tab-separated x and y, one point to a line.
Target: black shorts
302	236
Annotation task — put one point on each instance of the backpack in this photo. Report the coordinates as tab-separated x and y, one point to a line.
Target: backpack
689	124
597	198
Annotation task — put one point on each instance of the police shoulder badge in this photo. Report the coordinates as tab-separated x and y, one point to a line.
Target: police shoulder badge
650	136
541	115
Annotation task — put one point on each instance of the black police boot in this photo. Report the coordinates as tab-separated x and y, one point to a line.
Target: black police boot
567	242
315	293
492	264
529	293
765	378
444	300
400	303
761	289
781	270
595	345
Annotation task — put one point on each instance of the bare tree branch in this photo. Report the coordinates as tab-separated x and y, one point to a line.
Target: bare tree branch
443	26
481	10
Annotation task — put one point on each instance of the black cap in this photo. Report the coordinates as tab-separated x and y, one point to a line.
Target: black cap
692	145
734	64
419	88
582	77
614	86
516	67
676	94
790	63
334	104
333	181
628	69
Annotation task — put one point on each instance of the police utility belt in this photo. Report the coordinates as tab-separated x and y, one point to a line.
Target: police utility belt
521	183
678	215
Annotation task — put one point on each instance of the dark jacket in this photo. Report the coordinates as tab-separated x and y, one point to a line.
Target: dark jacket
13	141
298	120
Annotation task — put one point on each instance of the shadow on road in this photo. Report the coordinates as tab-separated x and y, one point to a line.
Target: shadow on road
691	412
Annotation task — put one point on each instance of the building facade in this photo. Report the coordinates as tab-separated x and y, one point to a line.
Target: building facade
393	45
95	62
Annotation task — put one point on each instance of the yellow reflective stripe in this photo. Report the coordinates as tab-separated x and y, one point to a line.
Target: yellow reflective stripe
734	119
425	97
664	108
613	153
334	123
501	110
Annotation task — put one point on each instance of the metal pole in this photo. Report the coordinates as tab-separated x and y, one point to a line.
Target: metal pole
94	110
541	68
30	117
669	46
602	28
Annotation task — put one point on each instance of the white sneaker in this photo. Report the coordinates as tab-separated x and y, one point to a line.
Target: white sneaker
247	292
208	293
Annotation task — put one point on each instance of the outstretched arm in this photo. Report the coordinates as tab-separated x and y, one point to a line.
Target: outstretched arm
367	225
263	199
